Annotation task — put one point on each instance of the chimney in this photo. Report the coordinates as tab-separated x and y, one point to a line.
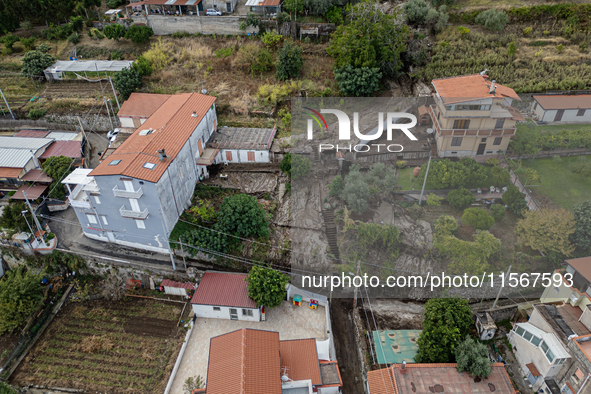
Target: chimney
162	154
493	88
403	364
194	115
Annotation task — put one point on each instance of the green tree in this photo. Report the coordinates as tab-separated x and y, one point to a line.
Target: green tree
12	217
34	62
143	66
492	19
472	357
434	200
9	40
582	169
43	48
497	211
293	6
547	230
243	216
336	186
300	166
356	191
500	176
416	11
380	178
335	15
370	39
114	31
582	215
28	43
465	256
446	225
20	293
77	23
266	286
271	39
127	81
478	218
58	167
447	321
139	34
289	61
285	164
460	198
361	81
515	200
526	140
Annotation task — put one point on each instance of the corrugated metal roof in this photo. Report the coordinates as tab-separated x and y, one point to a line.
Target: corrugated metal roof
89	65
62	136
72	149
14	158
172	283
171	126
32	133
244	361
23	142
223	289
242	138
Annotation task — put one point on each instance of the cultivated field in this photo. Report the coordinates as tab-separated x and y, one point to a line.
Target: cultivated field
127	346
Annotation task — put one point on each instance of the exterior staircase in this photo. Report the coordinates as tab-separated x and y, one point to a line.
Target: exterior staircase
331	233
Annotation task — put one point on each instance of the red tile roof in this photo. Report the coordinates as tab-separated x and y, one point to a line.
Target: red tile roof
142	105
223	289
32	133
172	283
564	101
9	172
72	149
244	362
381	381
33	192
172	125
299	360
37	176
582	265
469	87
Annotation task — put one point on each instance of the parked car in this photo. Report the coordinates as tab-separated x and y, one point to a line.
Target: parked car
112	133
213	12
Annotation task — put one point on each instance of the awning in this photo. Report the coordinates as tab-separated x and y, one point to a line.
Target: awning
111	12
79	177
208	156
8	172
37	176
33	192
534	371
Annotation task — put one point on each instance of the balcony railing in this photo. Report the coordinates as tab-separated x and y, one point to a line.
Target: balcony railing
127	194
468	132
126	213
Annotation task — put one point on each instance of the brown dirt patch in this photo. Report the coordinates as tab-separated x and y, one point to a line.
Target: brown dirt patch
147	326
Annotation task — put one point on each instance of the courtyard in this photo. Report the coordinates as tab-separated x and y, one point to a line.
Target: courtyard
292	322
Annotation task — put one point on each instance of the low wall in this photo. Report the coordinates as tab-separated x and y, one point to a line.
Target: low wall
163	25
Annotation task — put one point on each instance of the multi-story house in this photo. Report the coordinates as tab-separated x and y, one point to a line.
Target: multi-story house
473	116
573	284
135	196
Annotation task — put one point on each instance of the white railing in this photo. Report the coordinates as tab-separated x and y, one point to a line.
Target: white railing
127	194
126	213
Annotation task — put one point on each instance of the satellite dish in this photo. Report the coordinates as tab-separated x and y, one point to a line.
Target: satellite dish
204	91
429	131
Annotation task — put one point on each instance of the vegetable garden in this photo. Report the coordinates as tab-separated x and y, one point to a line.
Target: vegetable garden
125	346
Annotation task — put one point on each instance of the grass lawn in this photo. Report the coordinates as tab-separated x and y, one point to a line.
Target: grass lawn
179	229
555	128
404	179
557	180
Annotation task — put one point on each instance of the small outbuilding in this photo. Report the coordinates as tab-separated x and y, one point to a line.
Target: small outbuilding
177	288
564	108
242	145
222	295
485	326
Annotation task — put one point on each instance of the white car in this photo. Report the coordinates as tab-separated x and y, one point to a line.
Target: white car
112	133
213	12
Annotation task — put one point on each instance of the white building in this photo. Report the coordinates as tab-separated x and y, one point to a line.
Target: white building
562	108
222	295
177	288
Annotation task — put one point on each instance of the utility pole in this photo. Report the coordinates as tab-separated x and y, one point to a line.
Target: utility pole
83	132
7	106
498	295
114	93
425	180
113	112
32	213
108	113
355	296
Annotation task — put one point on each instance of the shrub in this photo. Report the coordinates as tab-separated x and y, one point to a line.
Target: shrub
460	198
9	40
515	200
300	166
43	48
559	48
497	211
77	23
416	11
527	31
36	113
357	82
463	31
500	176
26	25
285	164
139	34
289	61
336	186
34	62
74	38
242	215
492	19
511	49
446	225
401	164
28	43
478	218
271	39
434	200
492	162
335	15
266	286
127	81
143	66
114	31
223	52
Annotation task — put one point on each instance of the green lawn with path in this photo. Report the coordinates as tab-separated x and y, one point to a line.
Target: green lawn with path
558	181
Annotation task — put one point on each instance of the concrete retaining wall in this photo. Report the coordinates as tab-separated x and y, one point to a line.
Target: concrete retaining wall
163	25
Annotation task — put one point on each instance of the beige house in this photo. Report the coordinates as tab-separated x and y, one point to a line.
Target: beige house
473	116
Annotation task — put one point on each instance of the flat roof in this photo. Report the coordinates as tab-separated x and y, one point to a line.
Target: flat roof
242	138
79	177
37	176
564	101
142	105
88	65
32	133
62	135
33	192
396	346
582	265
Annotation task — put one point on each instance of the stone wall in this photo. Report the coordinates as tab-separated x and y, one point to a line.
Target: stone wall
163	25
93	122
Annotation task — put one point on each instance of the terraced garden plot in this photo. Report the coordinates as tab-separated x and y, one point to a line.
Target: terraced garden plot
127	346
